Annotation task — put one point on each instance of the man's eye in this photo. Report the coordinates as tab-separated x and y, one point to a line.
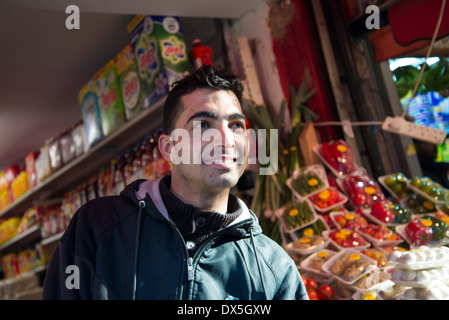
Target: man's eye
238	127
200	125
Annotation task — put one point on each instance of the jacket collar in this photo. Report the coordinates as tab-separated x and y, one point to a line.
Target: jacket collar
148	190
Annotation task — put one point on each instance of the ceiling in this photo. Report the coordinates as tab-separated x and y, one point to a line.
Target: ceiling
43	64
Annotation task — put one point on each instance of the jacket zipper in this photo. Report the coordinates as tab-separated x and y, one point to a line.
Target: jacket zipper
190	272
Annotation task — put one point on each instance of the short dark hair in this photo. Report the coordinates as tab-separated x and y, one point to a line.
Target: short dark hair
205	77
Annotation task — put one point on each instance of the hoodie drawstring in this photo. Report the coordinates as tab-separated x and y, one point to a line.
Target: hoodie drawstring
251	229
136	252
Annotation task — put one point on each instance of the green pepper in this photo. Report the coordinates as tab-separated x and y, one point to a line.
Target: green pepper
438	226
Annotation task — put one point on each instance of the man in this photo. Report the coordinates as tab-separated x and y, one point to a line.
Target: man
183	236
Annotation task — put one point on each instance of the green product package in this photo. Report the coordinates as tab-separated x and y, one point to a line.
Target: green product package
161	54
149	62
131	89
110	98
173	47
90	113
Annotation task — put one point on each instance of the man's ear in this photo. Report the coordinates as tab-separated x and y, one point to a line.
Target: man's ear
165	146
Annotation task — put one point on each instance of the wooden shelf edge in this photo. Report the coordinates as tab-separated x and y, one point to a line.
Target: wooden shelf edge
80	168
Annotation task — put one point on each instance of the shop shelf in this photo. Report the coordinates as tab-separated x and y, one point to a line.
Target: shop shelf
33	233
88	165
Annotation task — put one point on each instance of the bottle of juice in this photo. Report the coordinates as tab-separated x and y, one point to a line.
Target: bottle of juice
137	162
163	167
200	54
148	163
119	175
128	169
102	182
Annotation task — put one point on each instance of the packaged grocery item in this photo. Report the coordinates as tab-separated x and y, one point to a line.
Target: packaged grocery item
30	167
361	189
28	259
348	220
11	173
315	261
422	257
440	292
386	213
308	181
337	156
396	184
10	265
149	61
349	265
110	99
346	238
20	185
90	113
419	204
173	47
296	215
54	153
30	218
380	235
8	229
67	147
161	53
127	73
79	138
423	278
309	239
429	189
200	54
425	230
328	199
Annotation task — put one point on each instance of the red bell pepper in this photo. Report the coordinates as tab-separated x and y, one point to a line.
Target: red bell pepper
418	233
339	155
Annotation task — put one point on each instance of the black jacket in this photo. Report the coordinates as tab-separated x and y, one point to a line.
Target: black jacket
119	248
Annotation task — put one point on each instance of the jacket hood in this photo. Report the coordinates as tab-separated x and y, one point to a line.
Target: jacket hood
148	191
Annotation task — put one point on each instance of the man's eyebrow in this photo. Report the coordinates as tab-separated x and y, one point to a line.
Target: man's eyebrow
213	116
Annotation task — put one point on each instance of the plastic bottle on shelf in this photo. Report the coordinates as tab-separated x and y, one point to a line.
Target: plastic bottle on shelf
110	173
138	172
128	169
102	182
148	163
163	167
119	176
200	54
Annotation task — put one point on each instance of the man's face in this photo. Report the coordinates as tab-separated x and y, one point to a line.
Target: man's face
214	142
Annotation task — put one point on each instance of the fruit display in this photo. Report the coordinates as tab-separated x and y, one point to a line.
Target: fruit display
423	273
297	214
308	181
379	234
396	184
337	155
362	190
328	199
425	230
418	204
347	238
429	189
348	220
361	228
386	213
349	265
317	292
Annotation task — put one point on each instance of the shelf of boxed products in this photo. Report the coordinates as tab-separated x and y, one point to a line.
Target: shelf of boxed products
346	235
88	164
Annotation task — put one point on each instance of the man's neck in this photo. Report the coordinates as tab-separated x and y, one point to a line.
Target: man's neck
208	201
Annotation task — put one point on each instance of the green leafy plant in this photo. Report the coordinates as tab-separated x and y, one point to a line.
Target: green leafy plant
271	191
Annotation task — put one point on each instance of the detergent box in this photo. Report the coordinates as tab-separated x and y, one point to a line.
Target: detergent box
128	78
90	113
160	52
110	99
